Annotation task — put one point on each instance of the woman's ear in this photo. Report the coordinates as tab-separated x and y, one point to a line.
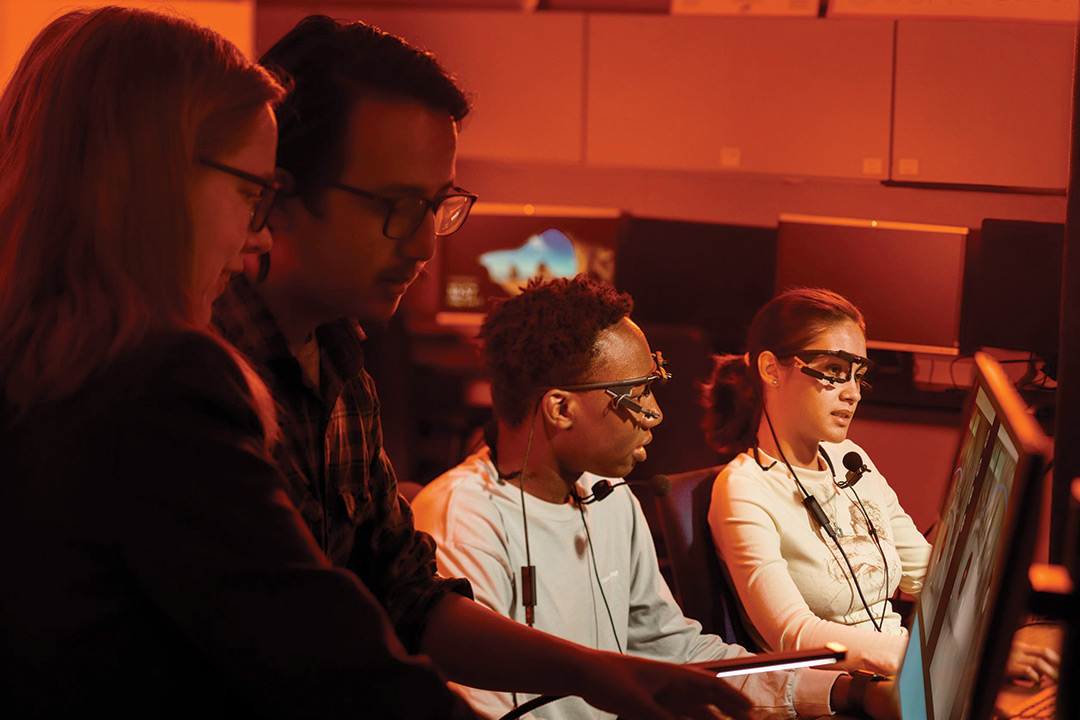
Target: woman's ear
558	407
768	367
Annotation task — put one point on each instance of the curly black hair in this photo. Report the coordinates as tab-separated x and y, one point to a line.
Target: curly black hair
546	337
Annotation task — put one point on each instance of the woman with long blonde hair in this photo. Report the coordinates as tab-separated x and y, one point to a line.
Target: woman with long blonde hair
152	563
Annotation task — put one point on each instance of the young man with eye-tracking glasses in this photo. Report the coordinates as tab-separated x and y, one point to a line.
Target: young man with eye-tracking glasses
531	520
368	139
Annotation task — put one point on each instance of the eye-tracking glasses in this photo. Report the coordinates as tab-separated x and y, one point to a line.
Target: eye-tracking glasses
836	367
620	390
405	214
260	214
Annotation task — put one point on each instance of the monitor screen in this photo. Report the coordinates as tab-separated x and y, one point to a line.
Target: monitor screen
680	273
976	586
905	277
502	246
1012	287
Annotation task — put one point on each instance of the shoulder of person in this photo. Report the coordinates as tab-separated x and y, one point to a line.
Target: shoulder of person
837	451
188	369
742	469
470	490
177	353
466	478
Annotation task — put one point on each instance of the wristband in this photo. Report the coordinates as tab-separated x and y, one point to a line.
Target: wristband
860	682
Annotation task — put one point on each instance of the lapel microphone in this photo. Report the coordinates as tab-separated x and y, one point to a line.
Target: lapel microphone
659	485
856	468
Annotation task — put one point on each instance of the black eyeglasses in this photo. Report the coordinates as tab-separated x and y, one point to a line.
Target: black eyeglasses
405	214
836	367
260	214
620	390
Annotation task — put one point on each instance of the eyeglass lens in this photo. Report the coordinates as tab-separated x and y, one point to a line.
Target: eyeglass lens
837	370
831	367
407	215
260	214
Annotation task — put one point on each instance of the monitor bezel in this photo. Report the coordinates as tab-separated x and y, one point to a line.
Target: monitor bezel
1020	529
1011	588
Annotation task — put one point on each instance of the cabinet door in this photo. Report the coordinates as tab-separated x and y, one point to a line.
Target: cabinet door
984	103
522	72
767	95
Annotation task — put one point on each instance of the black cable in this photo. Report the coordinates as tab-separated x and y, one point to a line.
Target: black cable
884	561
528	573
596	574
811	502
530	706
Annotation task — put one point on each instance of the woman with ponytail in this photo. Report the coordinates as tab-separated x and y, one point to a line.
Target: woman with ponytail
811	535
152	564
812	561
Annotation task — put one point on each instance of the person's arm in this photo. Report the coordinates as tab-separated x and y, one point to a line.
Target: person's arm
390	555
747	537
475	646
205	526
471	544
658	629
872	697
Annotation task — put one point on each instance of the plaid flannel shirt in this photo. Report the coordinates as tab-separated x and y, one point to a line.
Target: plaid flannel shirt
331	451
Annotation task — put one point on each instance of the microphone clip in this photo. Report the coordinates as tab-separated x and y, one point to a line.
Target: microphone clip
600	490
856	468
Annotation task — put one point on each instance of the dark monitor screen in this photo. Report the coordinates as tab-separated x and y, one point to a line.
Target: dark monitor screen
976	586
1012	287
708	275
905	277
503	245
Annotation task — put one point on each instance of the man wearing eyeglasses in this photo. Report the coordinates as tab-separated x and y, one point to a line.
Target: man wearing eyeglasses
368	140
532	521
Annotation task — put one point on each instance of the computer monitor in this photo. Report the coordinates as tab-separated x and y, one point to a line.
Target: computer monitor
1068	699
713	276
1012	287
976	587
503	245
905	277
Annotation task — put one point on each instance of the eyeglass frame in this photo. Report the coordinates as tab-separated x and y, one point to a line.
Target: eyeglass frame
431	206
854	361
280	185
624	400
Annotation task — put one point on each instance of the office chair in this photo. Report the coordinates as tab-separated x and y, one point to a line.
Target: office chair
703	591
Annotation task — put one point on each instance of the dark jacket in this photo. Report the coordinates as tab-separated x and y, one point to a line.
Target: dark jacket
153	565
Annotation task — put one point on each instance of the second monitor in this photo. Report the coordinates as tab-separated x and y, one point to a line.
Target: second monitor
907	278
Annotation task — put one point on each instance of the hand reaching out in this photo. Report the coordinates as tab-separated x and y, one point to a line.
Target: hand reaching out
639	689
1032	662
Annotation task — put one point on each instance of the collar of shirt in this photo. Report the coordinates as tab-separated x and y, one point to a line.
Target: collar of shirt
245	321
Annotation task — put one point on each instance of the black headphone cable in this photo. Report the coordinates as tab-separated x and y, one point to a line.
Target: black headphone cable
814	507
596	574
